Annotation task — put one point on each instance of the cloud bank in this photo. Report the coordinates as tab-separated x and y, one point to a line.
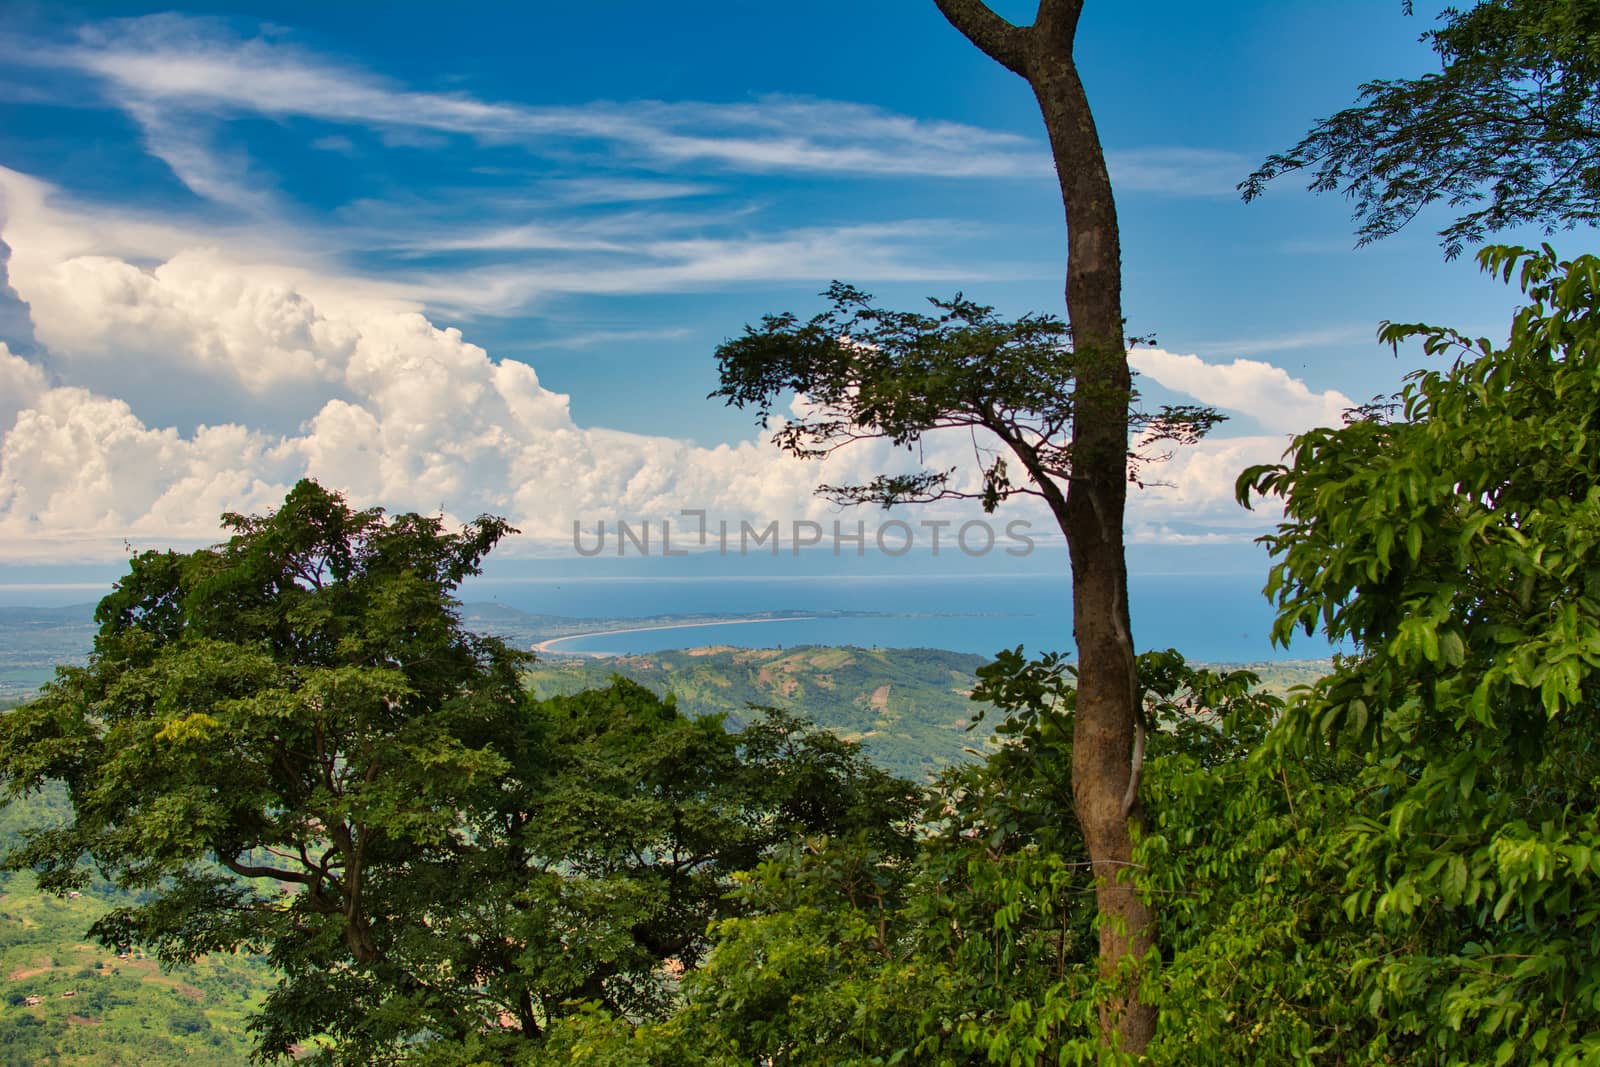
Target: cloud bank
132	425
202	382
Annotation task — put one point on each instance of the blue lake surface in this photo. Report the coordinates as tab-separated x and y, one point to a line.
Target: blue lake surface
1218	618
1204	601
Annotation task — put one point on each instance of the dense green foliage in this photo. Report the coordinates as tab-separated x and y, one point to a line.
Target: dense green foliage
1459	546
1509	128
927	709
979	947
269	743
288	744
625	847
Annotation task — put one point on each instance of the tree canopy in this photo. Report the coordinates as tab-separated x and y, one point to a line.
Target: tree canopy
1507	131
867	372
287	744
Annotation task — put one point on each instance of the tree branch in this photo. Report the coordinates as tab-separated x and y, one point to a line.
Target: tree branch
249	870
996	38
1058	20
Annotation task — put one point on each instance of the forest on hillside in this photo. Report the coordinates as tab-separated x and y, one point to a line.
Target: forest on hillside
307	814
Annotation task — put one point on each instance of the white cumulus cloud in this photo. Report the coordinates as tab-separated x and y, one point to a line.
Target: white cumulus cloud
1266	392
21	386
365	394
177	381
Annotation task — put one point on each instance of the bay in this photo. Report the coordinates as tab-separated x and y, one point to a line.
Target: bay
1219	618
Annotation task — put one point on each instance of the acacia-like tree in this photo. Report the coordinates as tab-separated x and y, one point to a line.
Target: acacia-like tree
1508	128
1062	411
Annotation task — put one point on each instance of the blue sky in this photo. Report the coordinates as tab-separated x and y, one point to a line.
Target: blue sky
477	258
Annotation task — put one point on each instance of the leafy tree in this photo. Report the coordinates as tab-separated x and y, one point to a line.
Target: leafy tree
645	806
271	741
871	373
610	863
1508	129
286	743
1458	547
1245	850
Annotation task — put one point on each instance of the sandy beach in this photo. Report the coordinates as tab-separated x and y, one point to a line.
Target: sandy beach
550	644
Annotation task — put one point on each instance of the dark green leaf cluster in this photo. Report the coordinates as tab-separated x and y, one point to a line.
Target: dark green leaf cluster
1244	851
269	737
1509	128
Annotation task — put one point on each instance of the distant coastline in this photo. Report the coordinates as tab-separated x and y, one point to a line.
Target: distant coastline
548	645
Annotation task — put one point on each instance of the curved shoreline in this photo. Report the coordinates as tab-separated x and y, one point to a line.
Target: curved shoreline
548	645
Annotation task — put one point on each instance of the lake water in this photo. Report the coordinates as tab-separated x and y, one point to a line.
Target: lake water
1219	618
1203	600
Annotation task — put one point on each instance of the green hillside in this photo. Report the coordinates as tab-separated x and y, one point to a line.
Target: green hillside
1281	676
65	1000
908	707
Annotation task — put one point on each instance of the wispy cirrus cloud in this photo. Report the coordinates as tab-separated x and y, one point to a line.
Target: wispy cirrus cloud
600	190
1289	342
187	145
188	82
176	63
805	257
506	269
903	251
591	338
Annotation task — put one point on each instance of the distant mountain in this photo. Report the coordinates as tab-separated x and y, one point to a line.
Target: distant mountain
909	707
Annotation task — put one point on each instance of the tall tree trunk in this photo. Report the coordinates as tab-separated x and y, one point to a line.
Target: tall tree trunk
1106	721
